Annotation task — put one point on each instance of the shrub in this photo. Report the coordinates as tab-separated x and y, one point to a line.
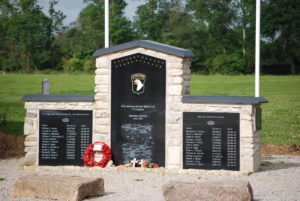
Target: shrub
89	65
73	65
227	64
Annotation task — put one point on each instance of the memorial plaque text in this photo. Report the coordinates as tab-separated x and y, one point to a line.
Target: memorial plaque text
64	135
211	140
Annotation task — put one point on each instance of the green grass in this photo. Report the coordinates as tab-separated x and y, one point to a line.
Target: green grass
14	86
281	116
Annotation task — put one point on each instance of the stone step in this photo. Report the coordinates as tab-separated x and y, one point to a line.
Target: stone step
57	187
224	190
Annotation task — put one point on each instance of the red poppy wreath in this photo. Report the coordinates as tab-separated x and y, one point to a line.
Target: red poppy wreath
88	156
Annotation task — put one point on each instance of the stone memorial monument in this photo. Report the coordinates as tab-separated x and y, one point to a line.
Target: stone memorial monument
143	110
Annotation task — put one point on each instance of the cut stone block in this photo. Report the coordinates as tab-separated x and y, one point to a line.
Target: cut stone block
208	191
57	187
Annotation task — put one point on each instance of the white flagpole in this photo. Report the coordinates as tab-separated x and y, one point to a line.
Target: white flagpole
257	48
106	40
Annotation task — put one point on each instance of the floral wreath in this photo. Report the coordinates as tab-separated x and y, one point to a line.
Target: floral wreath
88	156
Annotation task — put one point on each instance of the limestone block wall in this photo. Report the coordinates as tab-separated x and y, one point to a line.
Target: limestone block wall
178	76
31	124
249	136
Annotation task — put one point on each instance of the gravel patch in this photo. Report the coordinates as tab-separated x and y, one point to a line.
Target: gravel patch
278	180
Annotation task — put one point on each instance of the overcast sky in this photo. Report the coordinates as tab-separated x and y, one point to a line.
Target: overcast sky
71	8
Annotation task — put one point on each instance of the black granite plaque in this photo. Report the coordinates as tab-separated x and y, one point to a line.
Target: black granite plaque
211	140
138	109
64	135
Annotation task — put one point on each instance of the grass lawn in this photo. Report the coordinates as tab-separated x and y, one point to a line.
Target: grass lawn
14	86
281	116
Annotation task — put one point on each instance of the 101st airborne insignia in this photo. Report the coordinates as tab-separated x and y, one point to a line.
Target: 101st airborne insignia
138	81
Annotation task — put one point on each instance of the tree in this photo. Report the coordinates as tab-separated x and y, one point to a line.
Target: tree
86	35
227	23
7	9
244	14
29	36
182	30
245	25
150	20
281	33
170	22
218	16
120	26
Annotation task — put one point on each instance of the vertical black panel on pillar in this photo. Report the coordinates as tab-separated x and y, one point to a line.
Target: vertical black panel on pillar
63	136
138	109
211	140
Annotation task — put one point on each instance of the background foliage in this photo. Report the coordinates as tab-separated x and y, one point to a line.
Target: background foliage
220	33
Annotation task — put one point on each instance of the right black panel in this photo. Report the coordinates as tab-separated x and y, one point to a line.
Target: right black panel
211	140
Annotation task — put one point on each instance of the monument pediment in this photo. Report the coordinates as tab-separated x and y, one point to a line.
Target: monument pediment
155	46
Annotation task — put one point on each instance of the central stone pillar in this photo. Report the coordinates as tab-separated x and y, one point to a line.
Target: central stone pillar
138	108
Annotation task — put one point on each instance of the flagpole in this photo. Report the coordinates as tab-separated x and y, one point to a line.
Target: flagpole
106	40
257	48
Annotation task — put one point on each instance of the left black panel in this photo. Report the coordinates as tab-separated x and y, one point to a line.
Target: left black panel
63	136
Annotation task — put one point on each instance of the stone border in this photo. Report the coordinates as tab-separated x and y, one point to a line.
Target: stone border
31	124
250	157
137	170
178	76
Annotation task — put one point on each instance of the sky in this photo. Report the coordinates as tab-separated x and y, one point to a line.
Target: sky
71	8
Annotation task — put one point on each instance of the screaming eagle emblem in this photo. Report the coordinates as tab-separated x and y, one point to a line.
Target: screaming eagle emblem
138	81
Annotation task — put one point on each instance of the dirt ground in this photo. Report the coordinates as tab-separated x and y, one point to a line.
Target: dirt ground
12	146
291	150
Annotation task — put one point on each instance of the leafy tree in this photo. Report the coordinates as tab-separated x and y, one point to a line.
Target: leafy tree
179	27
218	16
245	19
150	20
120	26
29	36
83	37
281	33
7	8
220	33
86	35
227	23
183	31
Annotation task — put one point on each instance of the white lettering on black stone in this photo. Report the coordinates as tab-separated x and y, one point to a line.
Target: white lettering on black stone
64	135
211	140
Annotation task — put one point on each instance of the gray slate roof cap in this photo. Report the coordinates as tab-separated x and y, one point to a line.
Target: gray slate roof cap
57	98
160	47
224	99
